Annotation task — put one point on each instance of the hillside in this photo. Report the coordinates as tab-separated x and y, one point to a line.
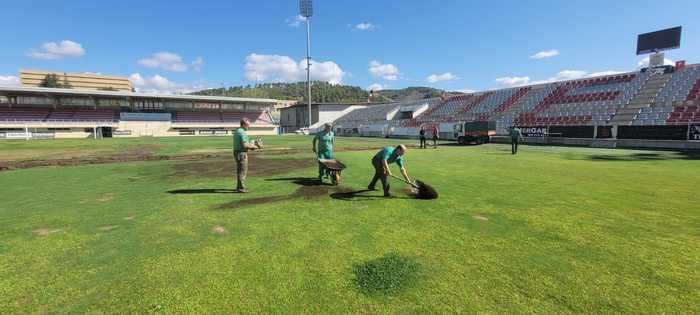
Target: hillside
322	92
410	93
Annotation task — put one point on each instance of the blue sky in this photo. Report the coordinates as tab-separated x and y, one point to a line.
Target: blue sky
178	46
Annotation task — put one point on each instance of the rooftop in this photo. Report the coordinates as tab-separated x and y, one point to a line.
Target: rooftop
22	91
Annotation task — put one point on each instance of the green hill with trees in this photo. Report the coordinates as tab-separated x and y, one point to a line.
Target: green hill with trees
322	92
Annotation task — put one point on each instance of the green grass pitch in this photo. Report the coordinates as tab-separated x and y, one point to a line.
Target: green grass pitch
551	230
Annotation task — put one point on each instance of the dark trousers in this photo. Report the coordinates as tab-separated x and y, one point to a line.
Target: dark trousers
379	175
514	145
422	142
241	168
435	139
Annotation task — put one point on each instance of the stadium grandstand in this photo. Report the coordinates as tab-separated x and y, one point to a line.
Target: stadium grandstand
33	112
653	107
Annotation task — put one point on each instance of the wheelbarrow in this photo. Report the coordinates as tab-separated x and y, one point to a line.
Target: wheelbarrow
335	168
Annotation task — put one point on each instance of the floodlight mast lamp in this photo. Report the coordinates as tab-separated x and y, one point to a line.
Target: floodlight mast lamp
306	9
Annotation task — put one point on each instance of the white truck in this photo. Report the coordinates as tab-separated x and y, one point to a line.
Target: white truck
476	132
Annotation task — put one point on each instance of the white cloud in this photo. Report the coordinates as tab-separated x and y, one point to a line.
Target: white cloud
377	87
513	81
53	50
564	75
365	26
197	64
295	21
9	81
545	54
385	71
447	76
604	73
568	75
164	60
284	69
161	85
577	74
468	91
645	62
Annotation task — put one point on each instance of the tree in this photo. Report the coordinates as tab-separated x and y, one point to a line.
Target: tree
50	81
323	92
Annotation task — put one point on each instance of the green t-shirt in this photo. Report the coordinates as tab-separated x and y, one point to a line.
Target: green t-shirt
515	133
240	137
388	155
325	141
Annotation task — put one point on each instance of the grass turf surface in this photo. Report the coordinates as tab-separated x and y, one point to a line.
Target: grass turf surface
552	230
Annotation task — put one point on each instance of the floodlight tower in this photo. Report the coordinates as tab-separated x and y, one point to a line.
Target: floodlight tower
306	9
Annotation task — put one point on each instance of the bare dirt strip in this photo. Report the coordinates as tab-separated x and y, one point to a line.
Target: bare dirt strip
257	166
147	154
120	158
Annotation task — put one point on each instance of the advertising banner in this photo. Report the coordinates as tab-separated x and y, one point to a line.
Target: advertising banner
121	132
43	135
694	132
16	135
534	131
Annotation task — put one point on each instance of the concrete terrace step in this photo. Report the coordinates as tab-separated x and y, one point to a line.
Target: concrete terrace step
639	105
623	118
625	111
643	100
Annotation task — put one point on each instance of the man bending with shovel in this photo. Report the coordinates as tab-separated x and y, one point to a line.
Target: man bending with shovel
381	162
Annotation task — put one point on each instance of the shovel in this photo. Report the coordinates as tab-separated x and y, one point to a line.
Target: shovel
425	191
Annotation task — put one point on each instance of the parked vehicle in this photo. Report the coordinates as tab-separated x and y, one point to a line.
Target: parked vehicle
476	132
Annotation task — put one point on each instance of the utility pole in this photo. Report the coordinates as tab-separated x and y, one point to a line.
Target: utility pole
306	10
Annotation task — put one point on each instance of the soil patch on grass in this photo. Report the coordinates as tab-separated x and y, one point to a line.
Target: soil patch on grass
45	231
203	151
106	197
257	166
147	153
119	158
479	217
129	218
219	230
107	227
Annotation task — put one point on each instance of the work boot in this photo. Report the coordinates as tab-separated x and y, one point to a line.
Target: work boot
370	187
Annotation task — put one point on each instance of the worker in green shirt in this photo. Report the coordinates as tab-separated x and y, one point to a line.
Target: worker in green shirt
381	162
241	146
324	151
515	136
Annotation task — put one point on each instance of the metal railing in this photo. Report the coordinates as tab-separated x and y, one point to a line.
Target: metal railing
216	122
24	121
